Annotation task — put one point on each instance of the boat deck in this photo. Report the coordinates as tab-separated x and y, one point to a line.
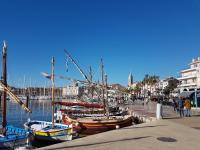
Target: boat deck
103	119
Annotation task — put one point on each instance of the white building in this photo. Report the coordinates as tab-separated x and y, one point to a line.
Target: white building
163	83
148	90
190	78
72	90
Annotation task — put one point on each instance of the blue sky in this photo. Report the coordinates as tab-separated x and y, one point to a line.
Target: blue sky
142	36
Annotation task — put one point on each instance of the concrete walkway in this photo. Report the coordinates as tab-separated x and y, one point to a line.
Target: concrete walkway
172	133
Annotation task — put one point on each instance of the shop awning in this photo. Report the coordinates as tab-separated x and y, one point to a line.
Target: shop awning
186	94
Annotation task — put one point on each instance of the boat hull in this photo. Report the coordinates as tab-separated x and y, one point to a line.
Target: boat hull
94	127
42	131
90	126
14	144
15	138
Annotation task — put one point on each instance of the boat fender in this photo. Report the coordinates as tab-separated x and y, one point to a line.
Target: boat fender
77	124
117	126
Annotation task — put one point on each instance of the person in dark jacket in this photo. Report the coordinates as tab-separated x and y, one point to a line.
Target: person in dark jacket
180	107
175	105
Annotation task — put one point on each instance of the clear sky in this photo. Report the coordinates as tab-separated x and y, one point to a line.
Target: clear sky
142	36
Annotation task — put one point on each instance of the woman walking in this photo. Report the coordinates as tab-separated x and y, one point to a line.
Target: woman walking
187	105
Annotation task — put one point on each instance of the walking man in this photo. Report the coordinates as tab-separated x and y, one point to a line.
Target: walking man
180	107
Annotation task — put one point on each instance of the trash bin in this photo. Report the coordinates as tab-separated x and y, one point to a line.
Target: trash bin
158	111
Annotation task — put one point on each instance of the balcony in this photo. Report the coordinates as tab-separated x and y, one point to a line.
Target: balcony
188	84
188	70
187	77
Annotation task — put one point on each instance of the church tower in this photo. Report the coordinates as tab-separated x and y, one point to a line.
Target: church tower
130	79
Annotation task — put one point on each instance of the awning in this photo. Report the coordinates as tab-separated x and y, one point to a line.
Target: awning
186	94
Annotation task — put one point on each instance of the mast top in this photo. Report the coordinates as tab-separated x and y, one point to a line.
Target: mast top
52	60
4	47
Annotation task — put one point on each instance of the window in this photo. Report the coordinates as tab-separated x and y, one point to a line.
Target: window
194	80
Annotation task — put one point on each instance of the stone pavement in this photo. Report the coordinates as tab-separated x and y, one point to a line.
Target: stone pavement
147	112
171	133
167	134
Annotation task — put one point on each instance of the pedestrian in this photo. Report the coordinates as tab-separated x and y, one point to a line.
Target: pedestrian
187	105
180	107
175	105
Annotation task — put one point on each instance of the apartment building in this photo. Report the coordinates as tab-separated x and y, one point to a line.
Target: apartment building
190	78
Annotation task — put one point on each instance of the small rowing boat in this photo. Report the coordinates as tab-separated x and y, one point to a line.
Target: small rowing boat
43	130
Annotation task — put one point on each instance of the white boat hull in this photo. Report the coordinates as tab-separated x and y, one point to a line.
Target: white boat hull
42	131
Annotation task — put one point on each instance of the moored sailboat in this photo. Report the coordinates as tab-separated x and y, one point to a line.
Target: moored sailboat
10	136
50	131
96	124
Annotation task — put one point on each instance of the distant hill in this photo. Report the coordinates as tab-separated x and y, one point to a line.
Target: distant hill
117	86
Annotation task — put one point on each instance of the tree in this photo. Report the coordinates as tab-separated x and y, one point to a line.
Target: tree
145	82
137	89
150	81
172	84
127	90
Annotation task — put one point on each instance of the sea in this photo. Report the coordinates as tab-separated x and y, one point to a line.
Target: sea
17	116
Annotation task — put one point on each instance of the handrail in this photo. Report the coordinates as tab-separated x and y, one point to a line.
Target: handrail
15	97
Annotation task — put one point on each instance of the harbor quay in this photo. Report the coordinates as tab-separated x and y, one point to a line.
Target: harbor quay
171	132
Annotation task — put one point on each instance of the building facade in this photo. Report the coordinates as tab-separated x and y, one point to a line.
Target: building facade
72	90
190	78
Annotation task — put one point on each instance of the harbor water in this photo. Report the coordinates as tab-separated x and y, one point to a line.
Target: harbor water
16	116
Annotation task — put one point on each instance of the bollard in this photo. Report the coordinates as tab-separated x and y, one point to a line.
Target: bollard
158	111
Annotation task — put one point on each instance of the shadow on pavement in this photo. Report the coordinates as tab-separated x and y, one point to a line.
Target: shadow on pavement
135	127
172	118
99	143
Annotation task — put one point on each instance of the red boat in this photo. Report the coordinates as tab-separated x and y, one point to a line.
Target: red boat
84	104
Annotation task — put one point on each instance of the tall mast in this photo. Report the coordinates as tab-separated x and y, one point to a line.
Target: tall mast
77	66
52	80
91	87
91	73
107	108
24	82
4	122
44	92
102	78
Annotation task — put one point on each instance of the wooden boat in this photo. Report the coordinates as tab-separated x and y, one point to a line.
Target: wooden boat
84	104
10	136
93	125
43	130
50	131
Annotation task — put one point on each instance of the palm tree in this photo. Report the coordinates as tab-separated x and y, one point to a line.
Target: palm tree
149	81
137	89
152	81
145	82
